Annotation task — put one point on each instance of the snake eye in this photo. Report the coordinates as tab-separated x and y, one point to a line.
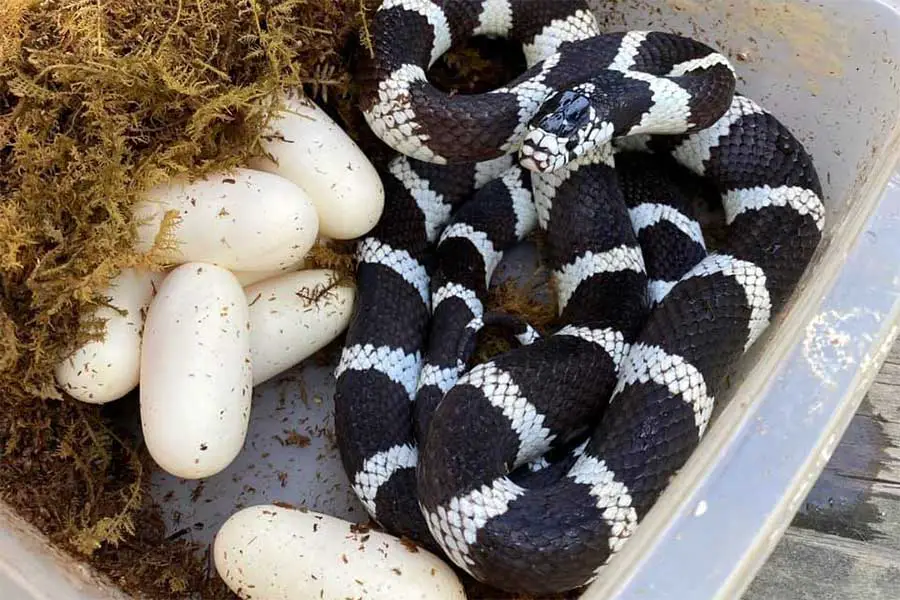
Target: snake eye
575	108
564	114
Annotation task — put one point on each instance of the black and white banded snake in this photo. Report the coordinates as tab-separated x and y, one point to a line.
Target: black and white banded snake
649	321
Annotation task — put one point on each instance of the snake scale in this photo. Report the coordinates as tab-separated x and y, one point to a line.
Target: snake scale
531	470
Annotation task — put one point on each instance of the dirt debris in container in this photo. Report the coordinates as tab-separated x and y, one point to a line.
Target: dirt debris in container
294	438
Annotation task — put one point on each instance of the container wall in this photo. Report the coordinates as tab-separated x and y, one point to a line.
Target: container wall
829	70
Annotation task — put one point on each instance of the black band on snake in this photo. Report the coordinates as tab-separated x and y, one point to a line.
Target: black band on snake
531	470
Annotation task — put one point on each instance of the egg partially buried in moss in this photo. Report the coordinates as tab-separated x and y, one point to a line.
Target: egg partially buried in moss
272	553
104	370
196	378
311	150
243	220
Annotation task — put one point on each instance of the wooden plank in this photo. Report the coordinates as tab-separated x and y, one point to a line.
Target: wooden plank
858	494
845	540
808	565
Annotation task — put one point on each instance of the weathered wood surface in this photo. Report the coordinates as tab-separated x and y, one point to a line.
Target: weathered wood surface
845	541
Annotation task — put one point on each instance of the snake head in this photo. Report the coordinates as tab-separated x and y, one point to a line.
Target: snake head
565	128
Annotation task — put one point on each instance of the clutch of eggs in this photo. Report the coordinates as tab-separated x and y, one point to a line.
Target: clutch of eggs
238	308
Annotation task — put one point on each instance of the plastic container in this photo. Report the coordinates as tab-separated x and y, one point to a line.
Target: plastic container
830	70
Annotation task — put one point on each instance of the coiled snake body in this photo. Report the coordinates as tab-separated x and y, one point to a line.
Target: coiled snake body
531	470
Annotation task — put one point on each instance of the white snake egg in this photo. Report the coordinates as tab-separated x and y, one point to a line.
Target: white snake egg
271	553
311	150
293	316
244	220
105	370
196	379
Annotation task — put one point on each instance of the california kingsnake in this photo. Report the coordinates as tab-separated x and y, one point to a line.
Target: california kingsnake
621	393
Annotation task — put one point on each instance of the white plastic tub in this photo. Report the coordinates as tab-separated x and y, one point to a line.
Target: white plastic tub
831	71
